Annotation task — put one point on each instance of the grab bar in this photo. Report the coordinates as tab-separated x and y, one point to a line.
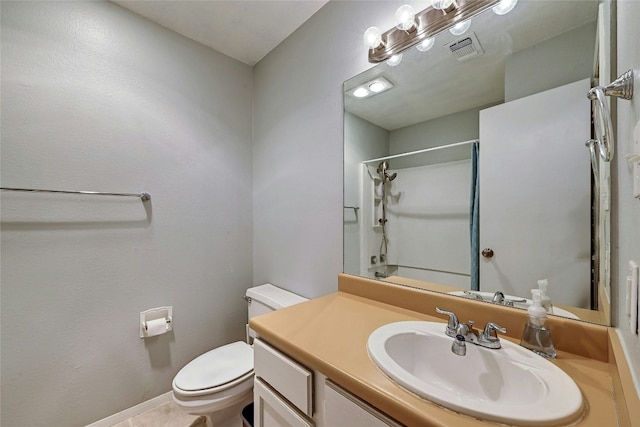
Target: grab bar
143	196
622	87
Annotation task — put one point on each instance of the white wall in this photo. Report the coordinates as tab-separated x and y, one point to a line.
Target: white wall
626	218
97	98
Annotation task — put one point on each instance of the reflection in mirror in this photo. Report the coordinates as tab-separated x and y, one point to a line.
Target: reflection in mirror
470	174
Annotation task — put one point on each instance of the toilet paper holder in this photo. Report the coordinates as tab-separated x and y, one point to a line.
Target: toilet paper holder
153	315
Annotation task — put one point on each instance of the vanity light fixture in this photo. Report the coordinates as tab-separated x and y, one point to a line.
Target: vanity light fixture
426	44
504	7
405	18
419	29
460	28
370	88
394	60
443	5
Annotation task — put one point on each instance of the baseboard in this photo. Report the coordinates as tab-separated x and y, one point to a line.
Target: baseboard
133	411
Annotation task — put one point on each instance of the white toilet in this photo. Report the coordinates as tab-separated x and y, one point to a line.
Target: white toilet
219	383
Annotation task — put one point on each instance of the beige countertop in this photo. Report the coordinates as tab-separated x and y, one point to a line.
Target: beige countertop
329	335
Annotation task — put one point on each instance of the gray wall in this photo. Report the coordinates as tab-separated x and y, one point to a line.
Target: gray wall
450	129
625	218
297	146
572	56
97	98
363	141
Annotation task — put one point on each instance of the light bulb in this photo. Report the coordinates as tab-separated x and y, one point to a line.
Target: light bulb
426	44
394	60
372	37
442	4
504	7
405	17
460	27
377	86
361	92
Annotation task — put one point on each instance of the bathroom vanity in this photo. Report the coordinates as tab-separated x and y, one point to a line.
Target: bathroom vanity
312	366
286	393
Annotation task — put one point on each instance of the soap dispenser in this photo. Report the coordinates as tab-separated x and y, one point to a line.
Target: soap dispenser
536	337
545	299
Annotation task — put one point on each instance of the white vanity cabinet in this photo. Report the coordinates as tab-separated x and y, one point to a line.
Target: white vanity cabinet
287	394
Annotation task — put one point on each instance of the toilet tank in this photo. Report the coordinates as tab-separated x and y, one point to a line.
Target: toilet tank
266	298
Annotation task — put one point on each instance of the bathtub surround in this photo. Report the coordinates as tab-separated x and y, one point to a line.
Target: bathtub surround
97	98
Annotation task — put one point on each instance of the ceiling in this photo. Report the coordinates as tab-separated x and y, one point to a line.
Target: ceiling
242	29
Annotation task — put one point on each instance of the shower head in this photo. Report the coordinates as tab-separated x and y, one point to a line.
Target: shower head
382	170
382	167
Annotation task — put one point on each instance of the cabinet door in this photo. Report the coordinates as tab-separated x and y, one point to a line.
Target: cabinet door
342	409
270	410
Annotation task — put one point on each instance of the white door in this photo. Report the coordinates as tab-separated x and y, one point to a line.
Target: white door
535	194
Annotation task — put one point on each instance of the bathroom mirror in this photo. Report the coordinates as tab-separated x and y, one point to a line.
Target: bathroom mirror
502	120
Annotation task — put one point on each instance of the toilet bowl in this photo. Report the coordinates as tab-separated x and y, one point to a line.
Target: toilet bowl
219	383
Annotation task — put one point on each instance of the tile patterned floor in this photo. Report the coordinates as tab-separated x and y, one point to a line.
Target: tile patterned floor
166	415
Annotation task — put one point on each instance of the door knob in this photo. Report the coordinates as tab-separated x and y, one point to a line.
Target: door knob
487	253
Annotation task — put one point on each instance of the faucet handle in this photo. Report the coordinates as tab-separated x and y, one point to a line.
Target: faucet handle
453	323
489	333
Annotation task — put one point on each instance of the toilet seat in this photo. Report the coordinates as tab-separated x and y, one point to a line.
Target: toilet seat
215	371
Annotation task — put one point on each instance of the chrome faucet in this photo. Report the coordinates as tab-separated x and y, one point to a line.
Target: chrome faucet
464	332
498	298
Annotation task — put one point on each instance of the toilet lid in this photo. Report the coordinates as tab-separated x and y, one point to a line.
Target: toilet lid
216	367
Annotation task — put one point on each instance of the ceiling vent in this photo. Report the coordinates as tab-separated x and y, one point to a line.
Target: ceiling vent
466	48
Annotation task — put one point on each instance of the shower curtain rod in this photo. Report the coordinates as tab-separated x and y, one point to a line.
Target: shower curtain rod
395	156
143	196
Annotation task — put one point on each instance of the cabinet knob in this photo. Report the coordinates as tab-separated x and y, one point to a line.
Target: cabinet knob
487	253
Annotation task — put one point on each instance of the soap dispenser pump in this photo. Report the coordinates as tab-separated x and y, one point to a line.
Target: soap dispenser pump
536	337
545	299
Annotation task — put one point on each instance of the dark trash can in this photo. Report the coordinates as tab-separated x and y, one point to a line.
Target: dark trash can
247	415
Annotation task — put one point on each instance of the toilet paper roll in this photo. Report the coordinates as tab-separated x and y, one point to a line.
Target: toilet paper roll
156	327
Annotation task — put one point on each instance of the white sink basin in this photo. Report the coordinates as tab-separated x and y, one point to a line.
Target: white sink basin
488	296
511	385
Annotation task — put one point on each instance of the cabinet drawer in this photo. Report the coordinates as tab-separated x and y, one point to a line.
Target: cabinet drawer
292	380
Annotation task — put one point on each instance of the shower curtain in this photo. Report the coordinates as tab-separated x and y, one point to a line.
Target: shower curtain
474	218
